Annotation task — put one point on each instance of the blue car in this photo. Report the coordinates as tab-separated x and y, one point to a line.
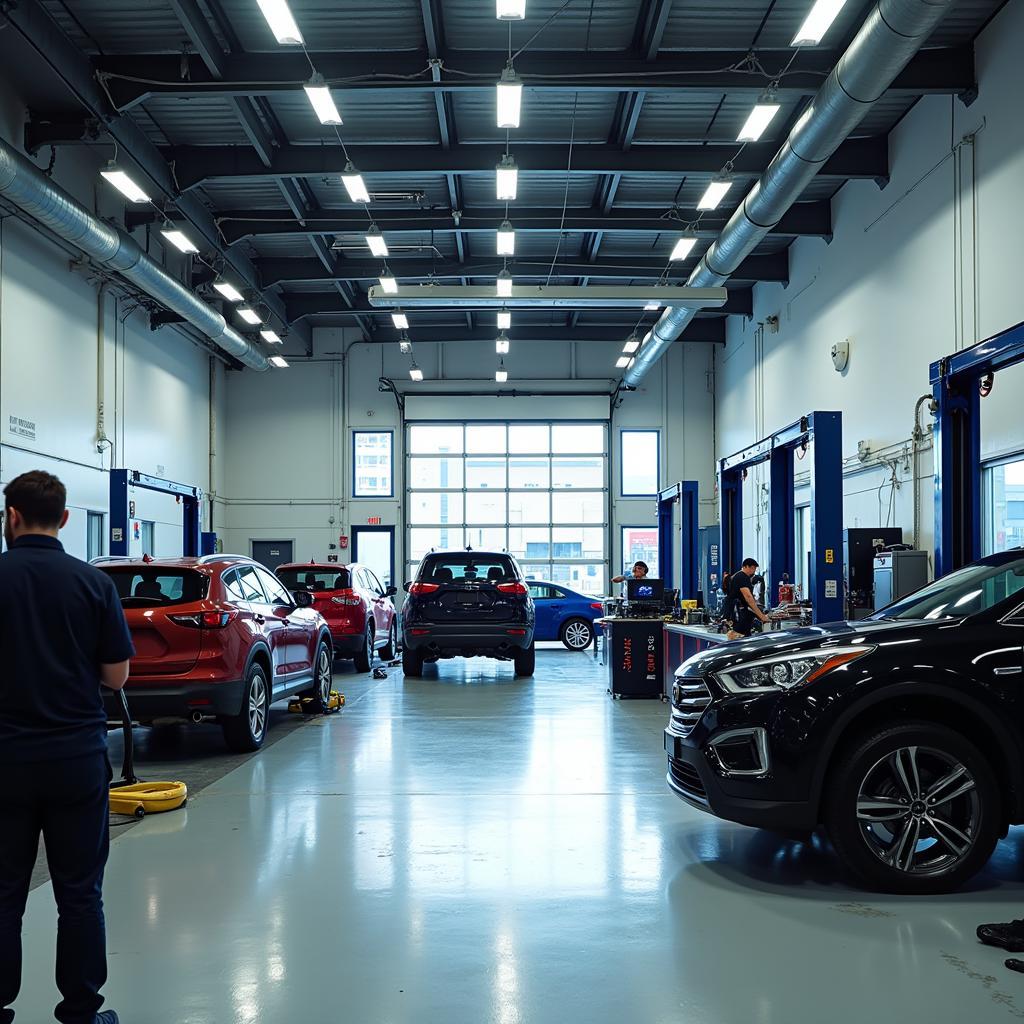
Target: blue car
564	614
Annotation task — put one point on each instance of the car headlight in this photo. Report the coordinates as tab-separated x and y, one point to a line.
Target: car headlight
786	671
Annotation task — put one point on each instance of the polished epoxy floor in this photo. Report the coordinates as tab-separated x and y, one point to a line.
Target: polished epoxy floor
471	848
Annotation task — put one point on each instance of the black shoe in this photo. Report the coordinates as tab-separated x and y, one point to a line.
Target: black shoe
1016	965
106	1017
1008	936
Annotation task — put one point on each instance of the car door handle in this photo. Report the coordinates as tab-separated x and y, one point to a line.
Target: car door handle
1008	670
259	619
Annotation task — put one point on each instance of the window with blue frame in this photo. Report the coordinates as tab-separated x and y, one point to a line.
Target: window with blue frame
640	458
1004	505
372	464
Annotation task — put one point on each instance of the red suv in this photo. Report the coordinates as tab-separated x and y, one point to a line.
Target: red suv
220	639
359	611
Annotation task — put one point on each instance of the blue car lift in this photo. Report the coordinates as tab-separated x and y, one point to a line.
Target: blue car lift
683	494
189	497
826	469
957	383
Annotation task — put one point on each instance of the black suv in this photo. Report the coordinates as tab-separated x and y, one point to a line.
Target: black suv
468	604
902	733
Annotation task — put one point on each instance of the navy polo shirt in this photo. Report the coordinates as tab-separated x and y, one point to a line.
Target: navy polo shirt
60	619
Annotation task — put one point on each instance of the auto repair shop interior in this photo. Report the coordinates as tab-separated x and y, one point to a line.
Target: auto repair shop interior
376	343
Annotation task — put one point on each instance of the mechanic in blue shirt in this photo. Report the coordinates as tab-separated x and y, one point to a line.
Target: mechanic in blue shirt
62	634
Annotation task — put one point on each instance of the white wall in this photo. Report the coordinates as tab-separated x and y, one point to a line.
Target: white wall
915	271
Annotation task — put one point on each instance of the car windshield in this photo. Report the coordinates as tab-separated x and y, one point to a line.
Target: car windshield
144	588
970	590
315	580
467	568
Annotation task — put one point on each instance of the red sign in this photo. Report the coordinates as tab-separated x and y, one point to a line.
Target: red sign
373	520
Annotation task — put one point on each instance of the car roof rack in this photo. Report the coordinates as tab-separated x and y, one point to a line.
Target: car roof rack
207	559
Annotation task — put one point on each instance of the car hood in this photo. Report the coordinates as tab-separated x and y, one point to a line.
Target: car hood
829	634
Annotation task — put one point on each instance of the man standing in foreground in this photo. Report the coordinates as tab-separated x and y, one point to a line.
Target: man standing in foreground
62	634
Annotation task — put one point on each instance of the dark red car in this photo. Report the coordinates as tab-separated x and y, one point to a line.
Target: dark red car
218	638
358	608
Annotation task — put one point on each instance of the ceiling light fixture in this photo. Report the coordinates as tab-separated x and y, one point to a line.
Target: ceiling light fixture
683	248
282	23
506	239
510	98
511	10
501	374
501	346
250	316
504	319
375	240
818	22
415	372
321	100
651	307
715	192
279	361
632	344
507	179
505	284
388	282
272	337
354	184
229	291
760	117
404	344
179	240
123	183
622	362
400	320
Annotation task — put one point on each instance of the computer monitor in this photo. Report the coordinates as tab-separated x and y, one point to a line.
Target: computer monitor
652	590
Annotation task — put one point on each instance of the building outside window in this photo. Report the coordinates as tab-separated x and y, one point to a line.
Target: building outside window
1004	501
640	463
372	464
640	544
94	535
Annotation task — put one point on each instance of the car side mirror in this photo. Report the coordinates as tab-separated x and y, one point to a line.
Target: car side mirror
406	586
391	591
303	598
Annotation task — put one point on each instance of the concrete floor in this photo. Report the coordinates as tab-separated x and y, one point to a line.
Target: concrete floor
471	848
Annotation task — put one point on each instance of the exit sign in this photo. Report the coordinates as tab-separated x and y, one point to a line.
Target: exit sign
373	520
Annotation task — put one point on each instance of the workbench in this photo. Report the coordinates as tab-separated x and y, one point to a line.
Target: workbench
682	642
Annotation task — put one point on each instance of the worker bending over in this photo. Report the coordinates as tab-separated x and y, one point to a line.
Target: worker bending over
740	606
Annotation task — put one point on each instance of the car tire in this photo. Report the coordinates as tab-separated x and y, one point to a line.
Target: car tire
323	678
412	663
525	661
885	793
364	658
577	634
390	652
245	732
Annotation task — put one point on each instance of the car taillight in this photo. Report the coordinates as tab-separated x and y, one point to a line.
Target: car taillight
204	620
597	606
351	601
513	588
424	588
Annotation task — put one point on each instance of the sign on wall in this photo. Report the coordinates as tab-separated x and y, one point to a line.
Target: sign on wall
22	428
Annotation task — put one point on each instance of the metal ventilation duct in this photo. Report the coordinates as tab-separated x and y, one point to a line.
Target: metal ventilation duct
24	185
893	32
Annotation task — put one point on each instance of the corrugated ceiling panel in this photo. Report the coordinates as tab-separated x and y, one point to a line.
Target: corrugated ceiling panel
202	121
368	117
534	189
546	116
251	194
281	246
119	26
330	192
695	117
529	244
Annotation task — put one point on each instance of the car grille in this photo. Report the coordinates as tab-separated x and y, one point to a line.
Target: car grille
689	699
686	778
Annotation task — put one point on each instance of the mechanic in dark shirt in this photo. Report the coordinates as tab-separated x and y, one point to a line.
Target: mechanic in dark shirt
740	605
62	634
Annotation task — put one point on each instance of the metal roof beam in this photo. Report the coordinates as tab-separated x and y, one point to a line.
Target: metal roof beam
651	27
201	35
855	158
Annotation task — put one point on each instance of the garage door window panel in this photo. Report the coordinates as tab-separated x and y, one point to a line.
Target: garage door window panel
436	473
579	507
433	508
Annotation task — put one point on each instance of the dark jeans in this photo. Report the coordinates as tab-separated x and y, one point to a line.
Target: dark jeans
68	802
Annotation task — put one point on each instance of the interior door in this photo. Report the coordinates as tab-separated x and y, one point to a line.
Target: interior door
374	547
272	553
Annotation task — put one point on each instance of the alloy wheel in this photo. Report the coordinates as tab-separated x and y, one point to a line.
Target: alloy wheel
323	670
918	810
577	634
257	706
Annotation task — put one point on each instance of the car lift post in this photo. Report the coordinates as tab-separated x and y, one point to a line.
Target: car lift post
684	494
190	497
825	429
956	391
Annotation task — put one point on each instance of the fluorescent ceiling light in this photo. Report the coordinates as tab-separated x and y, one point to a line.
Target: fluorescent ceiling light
632	344
375	240
400	320
321	100
508	179
404	345
179	240
511	10
501	346
622	362
354	184
652	306
714	193
760	117
271	336
501	374
279	361
250	316
388	283
228	290
282	24
504	284
510	99
504	319
124	184
683	248
817	22
506	239
415	372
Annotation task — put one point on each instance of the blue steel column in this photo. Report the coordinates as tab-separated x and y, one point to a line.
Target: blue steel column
782	541
666	507
826	583
119	511
190	527
730	498
689	540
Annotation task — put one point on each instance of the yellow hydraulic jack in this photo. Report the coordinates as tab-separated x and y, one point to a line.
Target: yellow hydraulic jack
303	705
130	796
